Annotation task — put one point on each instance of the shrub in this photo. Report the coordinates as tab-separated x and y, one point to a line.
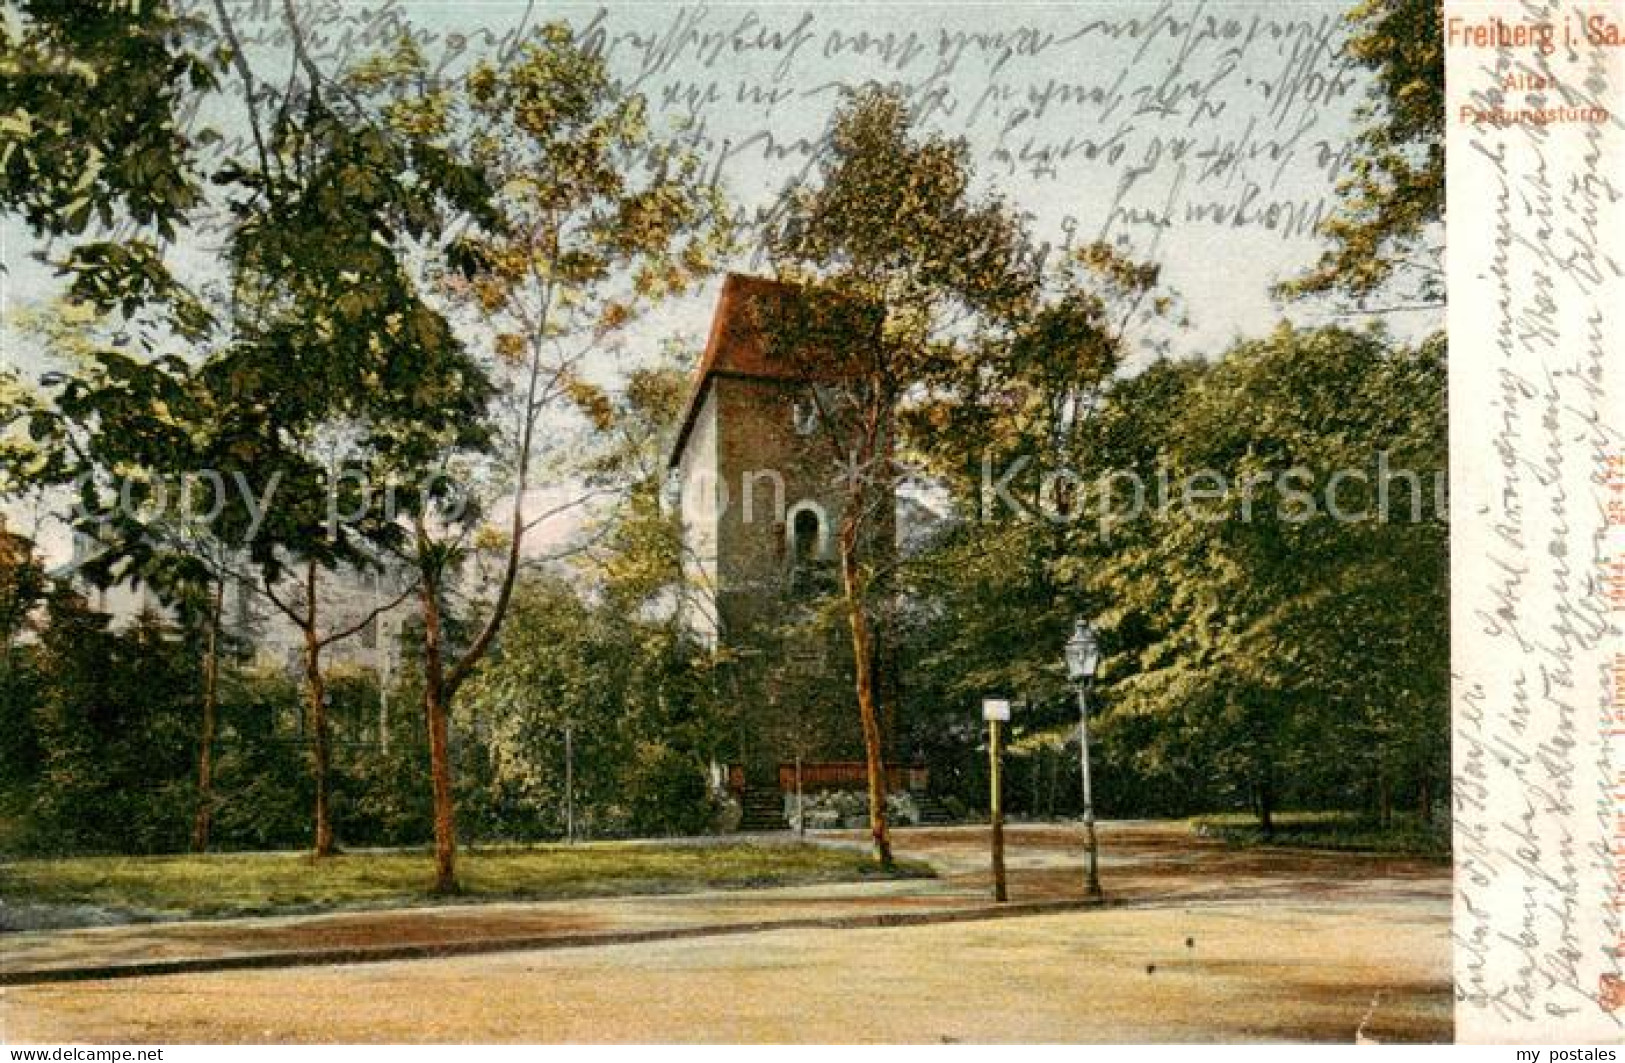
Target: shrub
666	793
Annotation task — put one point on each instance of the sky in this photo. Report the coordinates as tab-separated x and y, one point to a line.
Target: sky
1146	123
1202	136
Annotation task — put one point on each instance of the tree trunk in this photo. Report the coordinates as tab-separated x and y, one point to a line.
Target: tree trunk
852	582
321	752
445	813
211	693
1054	783
1266	809
436	709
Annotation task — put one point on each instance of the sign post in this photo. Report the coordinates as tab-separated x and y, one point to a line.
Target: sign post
996	711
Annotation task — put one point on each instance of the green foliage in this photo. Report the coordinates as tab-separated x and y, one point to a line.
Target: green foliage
101	718
327	298
1395	193
95	132
898	262
1256	653
639	559
341	372
121	430
633	694
590	217
22	583
1274	645
666	792
92	94
381	212
902	275
113	722
261	779
23	587
587	217
585	191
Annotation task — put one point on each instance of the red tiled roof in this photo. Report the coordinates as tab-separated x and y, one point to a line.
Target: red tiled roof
735	346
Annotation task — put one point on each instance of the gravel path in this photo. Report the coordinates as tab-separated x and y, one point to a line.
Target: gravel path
1208	943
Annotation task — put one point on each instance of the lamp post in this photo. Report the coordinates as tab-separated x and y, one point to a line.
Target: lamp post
1082	658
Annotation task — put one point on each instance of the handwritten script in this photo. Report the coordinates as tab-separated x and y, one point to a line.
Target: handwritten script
1156	116
1535	290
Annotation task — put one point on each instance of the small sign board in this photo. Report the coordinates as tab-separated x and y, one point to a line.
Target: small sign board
996	709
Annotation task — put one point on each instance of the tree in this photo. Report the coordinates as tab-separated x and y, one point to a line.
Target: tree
114	718
341	372
327	339
343	179
628	689
635	550
95	148
597	645
1025	403
120	432
96	96
1259	627
896	263
591	218
23	587
1384	234
22	584
984	605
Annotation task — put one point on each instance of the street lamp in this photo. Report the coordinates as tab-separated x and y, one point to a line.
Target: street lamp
1082	658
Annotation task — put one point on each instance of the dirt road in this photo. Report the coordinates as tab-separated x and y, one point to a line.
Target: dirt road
1209	944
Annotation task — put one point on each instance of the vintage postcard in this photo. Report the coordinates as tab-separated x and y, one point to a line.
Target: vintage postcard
765	523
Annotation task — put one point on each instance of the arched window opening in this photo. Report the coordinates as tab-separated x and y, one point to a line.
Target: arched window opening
805	536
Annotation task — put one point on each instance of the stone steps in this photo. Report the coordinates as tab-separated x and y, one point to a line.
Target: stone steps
762	810
932	812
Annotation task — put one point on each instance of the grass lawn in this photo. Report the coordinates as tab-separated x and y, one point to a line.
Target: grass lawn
227	884
1346	831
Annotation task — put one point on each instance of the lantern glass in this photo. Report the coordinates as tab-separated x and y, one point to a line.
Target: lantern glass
1082	652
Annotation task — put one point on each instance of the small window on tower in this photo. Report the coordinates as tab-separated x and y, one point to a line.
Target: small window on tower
805	414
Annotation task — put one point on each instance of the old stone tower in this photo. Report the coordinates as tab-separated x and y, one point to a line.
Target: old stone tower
761	493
